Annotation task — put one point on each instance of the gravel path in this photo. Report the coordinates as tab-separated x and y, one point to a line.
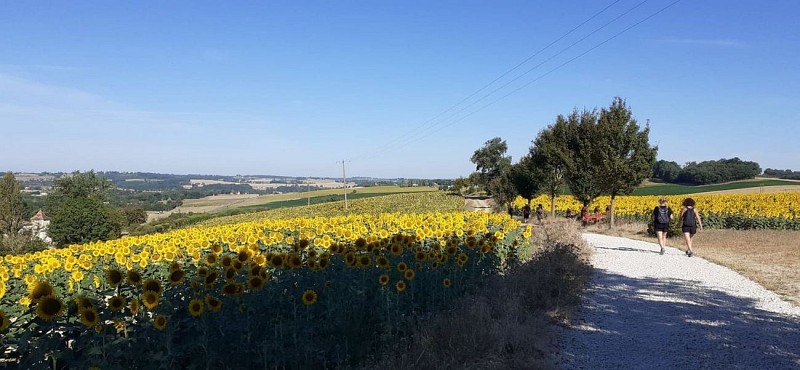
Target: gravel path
647	311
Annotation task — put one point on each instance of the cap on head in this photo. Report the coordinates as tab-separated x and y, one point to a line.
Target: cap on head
662	200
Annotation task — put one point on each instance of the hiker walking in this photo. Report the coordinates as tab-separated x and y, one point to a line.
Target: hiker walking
690	221
662	215
526	212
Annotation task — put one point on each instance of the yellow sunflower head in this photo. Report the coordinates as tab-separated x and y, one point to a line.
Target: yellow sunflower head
40	290
400	286
383	279
213	304
83	302
210	278
176	276
116	303
211	259
446	282
402	267
89	317
49	308
364	261
309	297
243	256
160	322
409	274
134	306
232	289
255	283
114	277
382	262
150	299
152	285
226	261
230	273
134	277
196	307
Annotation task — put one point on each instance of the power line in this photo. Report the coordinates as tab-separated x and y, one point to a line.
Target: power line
556	68
400	137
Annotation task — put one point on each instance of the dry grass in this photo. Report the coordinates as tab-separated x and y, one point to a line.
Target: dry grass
768	257
508	323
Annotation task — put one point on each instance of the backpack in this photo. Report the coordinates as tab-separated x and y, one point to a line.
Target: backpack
689	219
663	215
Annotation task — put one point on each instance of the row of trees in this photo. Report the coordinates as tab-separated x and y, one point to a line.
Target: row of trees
591	152
782	174
706	172
78	208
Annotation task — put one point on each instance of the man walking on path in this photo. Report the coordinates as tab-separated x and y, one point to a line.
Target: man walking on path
662	216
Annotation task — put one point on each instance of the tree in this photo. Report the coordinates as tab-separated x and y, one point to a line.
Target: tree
490	160
82	220
622	152
524	179
502	189
581	174
666	171
134	215
12	207
79	214
549	158
81	185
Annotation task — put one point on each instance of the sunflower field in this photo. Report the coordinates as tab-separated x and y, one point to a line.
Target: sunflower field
731	211
289	293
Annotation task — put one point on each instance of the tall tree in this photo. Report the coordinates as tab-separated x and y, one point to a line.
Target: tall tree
79	214
502	189
524	179
667	171
490	160
581	175
12	207
82	185
549	158
622	152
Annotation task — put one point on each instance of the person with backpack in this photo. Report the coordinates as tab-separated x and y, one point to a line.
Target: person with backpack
690	221
526	212
662	216
539	213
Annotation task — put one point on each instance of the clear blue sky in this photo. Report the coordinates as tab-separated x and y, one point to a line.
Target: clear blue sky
291	87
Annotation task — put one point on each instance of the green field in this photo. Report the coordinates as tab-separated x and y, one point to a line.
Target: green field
674	189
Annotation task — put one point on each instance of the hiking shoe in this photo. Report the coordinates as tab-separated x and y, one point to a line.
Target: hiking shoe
662	252
689	253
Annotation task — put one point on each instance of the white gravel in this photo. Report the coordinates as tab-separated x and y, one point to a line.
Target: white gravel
643	310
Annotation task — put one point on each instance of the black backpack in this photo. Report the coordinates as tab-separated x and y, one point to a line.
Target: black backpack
689	219
663	215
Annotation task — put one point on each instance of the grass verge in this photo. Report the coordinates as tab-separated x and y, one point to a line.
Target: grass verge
768	257
508	322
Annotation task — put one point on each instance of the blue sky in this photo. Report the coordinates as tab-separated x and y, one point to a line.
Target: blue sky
292	87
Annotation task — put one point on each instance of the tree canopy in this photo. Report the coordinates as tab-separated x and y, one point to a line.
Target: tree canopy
12	207
491	160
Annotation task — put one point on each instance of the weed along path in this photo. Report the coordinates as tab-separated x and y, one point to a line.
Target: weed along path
643	310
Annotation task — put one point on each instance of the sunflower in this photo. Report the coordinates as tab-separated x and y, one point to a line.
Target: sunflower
150	299
243	256
116	303
82	302
382	262
255	269
211	259
232	289
255	283
295	261
114	277
409	274
213	304
4	321
383	279
230	273
226	261
420	256
446	282
160	322
216	248
134	277
472	241
451	250
361	243
134	306
210	278
174	266
49	307
89	317
202	272
350	259
309	297
40	290
463	257
176	276
324	262
277	260
196	307
396	249
152	285
238	265
402	266
400	286
364	261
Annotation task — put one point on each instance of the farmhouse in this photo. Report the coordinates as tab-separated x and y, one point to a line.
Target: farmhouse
38	226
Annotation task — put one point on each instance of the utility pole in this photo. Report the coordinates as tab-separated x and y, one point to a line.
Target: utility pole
344	181
308	190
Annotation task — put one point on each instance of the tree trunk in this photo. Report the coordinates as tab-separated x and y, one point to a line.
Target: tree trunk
611	211
552	205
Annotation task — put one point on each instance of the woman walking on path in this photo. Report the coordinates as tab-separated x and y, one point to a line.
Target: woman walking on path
662	216
690	222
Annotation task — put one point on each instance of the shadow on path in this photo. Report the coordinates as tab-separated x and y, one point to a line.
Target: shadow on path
652	323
